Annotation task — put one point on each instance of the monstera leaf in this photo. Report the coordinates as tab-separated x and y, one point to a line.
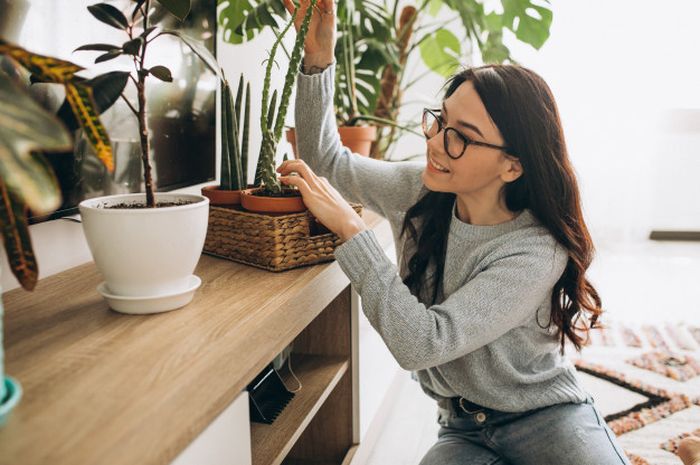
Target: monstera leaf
25	177
242	20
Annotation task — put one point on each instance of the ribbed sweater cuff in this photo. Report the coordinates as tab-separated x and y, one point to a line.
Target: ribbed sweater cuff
311	84
358	255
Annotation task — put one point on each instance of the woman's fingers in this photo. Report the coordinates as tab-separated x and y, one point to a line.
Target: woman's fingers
289	4
299	166
299	182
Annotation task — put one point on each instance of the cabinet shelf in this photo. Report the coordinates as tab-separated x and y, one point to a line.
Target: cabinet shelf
319	375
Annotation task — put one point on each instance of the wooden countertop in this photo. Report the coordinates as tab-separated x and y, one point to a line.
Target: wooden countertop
103	387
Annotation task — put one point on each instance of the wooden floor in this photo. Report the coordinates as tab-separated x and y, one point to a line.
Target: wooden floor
646	281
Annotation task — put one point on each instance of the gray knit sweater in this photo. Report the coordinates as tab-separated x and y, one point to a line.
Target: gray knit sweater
484	339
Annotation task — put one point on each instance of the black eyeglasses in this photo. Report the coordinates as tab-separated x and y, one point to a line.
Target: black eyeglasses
455	142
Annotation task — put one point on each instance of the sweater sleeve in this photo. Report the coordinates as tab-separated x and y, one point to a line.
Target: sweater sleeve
505	294
385	187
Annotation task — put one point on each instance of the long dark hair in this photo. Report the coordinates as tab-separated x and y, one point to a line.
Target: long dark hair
523	108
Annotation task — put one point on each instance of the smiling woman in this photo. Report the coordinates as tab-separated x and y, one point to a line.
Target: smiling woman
493	251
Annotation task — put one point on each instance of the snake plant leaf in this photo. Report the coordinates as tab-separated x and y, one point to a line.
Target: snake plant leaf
162	73
80	99
533	23
441	51
16	238
178	8
109	15
106	90
25	127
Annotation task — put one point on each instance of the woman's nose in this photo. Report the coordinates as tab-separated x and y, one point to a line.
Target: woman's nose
435	144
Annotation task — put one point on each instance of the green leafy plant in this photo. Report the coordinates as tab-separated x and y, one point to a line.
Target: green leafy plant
26	179
273	116
140	34
376	39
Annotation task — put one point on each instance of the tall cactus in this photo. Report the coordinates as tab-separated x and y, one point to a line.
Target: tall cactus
272	132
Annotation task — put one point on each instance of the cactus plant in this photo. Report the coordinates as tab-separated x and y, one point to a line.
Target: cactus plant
272	117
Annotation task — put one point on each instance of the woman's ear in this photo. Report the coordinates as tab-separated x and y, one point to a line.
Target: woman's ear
512	169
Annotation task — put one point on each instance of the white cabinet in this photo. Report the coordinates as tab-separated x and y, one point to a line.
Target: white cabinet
226	441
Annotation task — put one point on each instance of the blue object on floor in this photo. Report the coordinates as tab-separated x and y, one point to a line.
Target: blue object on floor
14	392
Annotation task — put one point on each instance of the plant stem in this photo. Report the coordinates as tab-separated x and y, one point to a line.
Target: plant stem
143	128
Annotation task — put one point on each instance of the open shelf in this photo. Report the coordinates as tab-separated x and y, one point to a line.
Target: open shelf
319	375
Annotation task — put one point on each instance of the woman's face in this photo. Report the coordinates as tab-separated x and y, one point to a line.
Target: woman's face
479	168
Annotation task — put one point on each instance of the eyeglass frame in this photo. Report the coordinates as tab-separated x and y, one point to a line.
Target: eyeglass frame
467	141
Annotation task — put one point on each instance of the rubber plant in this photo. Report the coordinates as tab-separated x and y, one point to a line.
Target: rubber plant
371	77
273	115
26	179
140	33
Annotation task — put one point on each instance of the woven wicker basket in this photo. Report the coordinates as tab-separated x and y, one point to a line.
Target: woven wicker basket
269	241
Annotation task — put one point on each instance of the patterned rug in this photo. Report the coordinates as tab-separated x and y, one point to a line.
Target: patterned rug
645	378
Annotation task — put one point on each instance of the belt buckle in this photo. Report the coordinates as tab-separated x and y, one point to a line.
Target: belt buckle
461	405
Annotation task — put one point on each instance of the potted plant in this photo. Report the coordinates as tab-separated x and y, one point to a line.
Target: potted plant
145	245
385	35
234	147
26	179
272	197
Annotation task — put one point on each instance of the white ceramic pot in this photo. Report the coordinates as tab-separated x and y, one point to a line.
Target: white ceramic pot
146	252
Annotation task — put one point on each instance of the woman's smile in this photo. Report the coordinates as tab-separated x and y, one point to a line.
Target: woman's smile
436	167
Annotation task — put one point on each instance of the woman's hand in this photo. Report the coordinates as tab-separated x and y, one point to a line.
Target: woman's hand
319	47
322	200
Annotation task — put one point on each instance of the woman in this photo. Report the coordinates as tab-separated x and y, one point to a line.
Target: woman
493	251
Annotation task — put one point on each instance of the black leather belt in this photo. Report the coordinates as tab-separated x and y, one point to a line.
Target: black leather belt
460	405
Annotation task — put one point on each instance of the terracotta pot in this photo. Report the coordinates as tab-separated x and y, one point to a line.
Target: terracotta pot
262	204
221	197
357	138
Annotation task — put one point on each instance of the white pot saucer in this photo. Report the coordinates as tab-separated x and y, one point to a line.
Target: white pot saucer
152	304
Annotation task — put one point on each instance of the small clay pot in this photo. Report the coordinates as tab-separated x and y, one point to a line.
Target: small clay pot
357	138
221	197
265	204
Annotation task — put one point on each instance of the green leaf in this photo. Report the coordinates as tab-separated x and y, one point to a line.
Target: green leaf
162	73
16	238
434	7
25	127
493	50
441	52
98	47
109	14
133	46
80	98
178	8
199	49
243	20
106	89
108	56
533	21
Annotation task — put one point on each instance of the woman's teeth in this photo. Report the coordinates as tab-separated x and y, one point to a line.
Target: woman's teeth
438	166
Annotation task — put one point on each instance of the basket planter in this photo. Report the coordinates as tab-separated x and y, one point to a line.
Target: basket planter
274	242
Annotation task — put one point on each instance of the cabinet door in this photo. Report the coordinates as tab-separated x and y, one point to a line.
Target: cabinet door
226	441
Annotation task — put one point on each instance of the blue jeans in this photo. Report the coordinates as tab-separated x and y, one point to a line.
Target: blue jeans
562	434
